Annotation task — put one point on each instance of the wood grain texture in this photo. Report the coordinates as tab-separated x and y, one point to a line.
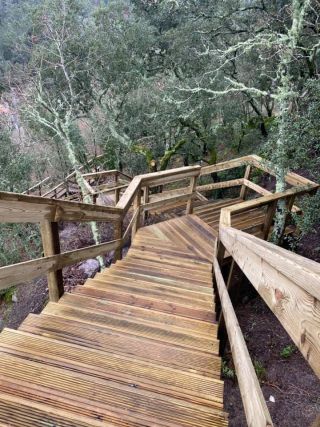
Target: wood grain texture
135	346
288	283
256	410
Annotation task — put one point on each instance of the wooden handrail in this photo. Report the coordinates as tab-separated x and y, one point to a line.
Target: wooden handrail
20	208
226	213
256	410
18	273
288	283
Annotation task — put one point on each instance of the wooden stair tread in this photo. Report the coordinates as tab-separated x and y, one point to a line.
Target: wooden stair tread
96	304
148	303
122	369
82	394
130	327
167	289
135	346
111	342
127	275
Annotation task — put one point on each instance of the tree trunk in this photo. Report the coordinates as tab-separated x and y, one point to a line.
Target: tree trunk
87	198
286	95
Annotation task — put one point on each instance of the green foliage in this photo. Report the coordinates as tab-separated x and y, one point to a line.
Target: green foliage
19	242
287	351
227	372
261	371
7	294
15	165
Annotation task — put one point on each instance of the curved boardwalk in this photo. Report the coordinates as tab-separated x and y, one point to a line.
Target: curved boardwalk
135	346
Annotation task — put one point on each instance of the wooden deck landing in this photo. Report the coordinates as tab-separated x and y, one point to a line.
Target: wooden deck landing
135	346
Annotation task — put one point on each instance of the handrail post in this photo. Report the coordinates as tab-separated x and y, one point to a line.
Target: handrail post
118	236
51	246
244	188
271	210
193	185
117	190
145	201
136	205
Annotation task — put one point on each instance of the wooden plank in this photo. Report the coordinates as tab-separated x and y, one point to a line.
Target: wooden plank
256	410
28	270
291	177
96	304
255	187
111	342
124	369
142	301
101	174
118	237
289	288
223	184
243	191
193	184
171	175
225	219
19	208
26	413
51	246
105	399
230	164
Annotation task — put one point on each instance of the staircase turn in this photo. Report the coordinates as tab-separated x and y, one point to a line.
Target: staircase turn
135	346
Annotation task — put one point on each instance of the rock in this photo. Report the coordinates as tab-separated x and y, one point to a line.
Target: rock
90	267
14	298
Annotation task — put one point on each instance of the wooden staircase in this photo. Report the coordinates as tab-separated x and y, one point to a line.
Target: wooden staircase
135	346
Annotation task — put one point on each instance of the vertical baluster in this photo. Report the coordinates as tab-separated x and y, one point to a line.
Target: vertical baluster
51	246
244	188
193	184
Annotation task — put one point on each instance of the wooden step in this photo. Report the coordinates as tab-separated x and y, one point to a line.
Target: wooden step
136	346
147	302
133	327
94	397
112	342
95	304
123	369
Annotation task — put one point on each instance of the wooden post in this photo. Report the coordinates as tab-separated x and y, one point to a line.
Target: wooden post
118	236
116	195
136	205
117	190
51	246
268	220
193	184
244	188
145	201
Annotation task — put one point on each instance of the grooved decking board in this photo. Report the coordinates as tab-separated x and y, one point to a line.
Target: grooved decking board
135	346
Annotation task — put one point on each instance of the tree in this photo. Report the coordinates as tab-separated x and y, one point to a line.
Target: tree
274	46
58	91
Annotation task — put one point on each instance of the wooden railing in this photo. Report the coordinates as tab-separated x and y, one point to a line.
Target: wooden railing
256	410
20	208
290	286
138	198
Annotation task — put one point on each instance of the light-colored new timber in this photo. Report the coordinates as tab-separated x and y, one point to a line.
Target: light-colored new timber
136	346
